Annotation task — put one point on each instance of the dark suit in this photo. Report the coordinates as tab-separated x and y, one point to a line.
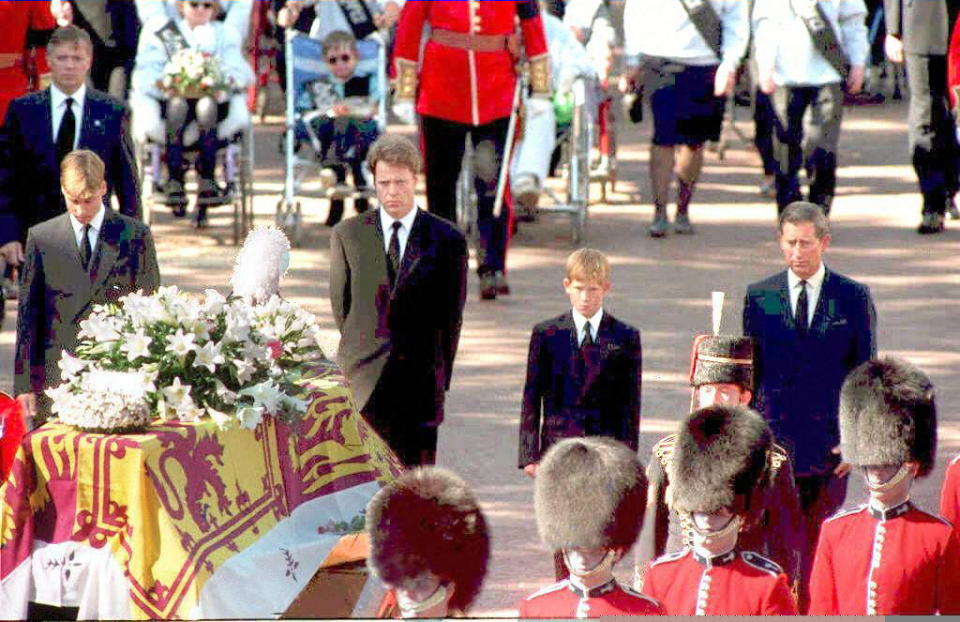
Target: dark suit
573	392
119	47
56	294
924	27
30	171
397	346
798	380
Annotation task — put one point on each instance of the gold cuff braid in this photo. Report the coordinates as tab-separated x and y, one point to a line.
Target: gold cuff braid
540	75
406	80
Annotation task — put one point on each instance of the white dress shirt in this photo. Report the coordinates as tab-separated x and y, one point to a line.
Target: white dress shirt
814	284
406	224
58	106
579	321
95	226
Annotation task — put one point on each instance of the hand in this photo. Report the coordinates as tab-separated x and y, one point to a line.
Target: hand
61	11
855	79
12	253
629	80
767	85
28	402
389	17
531	469
340	110
724	81
288	15
842	469
893	47
405	111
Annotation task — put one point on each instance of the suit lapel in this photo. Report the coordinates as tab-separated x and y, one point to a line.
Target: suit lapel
107	250
67	241
86	123
820	311
786	311
413	251
567	346
371	245
46	125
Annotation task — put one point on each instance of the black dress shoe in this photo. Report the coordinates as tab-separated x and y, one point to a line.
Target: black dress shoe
211	194
488	286
175	197
503	288
931	223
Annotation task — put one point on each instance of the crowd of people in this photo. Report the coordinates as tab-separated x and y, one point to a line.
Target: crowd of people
735	513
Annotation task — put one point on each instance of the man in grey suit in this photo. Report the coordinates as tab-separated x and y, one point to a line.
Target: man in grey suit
918	33
398	278
88	256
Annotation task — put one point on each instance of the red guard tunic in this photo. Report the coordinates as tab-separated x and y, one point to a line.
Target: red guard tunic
17	19
457	84
565	600
953	64
950	493
902	561
737	583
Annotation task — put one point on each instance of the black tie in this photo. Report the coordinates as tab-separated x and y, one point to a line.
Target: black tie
801	317
393	252
587	336
67	131
86	251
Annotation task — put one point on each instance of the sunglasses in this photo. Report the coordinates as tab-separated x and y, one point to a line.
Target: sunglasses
201	5
343	58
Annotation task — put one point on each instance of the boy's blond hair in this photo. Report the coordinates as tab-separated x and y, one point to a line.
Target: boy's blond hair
589	266
338	39
82	173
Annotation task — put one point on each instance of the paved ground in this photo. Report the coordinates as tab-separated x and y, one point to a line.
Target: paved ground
662	286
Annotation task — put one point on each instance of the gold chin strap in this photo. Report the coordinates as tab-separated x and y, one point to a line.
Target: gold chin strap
540	75
724	359
406	80
891	483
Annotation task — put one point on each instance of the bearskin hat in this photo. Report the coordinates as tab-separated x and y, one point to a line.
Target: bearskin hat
428	520
888	415
719	459
722	359
589	493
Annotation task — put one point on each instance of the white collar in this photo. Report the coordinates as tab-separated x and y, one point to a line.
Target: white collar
57	97
386	220
814	281
96	224
579	320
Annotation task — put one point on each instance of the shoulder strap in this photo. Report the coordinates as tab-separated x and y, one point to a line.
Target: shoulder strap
824	37
359	17
707	22
172	39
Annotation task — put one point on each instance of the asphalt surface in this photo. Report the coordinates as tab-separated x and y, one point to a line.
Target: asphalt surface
662	286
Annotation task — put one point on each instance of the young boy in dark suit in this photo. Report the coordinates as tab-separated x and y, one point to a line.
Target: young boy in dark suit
583	372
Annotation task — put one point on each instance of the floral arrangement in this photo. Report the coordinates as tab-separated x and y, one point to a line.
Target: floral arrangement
110	402
194	356
194	74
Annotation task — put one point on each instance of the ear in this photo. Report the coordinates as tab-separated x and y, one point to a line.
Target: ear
745	396
103	187
826	241
566	283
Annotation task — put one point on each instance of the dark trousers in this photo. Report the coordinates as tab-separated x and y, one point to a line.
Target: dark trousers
207	144
933	142
388	412
820	497
443	143
806	132
763	124
344	144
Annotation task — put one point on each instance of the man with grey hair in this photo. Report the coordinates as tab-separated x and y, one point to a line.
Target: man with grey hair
810	327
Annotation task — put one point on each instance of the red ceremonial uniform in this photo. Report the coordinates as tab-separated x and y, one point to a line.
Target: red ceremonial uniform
17	19
466	85
737	583
902	561
953	64
565	600
950	493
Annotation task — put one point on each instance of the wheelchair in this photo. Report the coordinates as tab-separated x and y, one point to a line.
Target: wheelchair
234	158
303	151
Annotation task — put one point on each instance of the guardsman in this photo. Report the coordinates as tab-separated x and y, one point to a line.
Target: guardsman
25	25
466	79
718	472
428	543
721	372
588	499
887	557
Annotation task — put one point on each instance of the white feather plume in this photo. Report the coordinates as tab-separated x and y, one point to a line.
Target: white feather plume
261	263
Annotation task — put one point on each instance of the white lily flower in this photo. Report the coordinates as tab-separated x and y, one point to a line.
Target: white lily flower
70	365
188	411
61	396
176	393
265	394
245	370
181	343
99	328
222	419
250	416
136	346
209	356
214	302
